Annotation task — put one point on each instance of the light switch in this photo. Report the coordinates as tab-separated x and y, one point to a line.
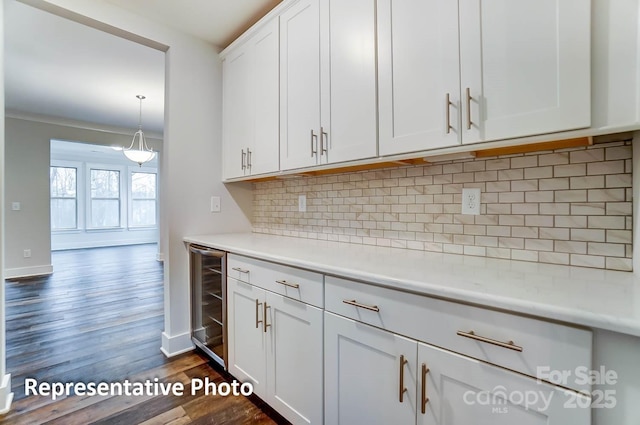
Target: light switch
302	203
15	206
215	204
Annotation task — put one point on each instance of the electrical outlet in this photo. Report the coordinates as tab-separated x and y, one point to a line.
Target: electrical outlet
215	204
471	201
302	203
27	253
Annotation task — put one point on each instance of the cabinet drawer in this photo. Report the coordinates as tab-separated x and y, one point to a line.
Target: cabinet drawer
530	346
299	284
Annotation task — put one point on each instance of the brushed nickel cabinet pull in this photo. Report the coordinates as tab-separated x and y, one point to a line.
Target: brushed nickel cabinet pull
509	344
469	98
402	388
290	285
265	325
448	114
258	321
243	156
323	136
248	158
357	304
238	269
314	151
425	399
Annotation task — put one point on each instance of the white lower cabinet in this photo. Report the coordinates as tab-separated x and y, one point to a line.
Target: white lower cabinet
373	376
276	344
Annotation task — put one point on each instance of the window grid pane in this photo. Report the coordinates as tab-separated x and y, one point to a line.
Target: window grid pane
105	198
64	206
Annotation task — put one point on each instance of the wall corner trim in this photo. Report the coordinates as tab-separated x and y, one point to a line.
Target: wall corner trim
175	345
6	396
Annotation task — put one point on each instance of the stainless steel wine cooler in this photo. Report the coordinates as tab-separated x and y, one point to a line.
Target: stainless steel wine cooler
208	301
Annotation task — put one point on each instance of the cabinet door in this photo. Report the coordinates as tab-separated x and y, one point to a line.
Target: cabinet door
264	156
526	66
299	84
237	112
348	61
363	374
247	341
418	66
461	390
294	359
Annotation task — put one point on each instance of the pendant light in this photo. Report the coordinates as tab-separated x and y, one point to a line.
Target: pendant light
139	152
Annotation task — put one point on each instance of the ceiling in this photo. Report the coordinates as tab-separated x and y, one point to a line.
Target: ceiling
61	69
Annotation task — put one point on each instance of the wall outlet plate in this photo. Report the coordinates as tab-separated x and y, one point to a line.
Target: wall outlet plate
15	206
471	201
215	204
302	203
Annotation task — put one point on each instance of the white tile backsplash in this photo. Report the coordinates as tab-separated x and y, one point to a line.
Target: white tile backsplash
571	206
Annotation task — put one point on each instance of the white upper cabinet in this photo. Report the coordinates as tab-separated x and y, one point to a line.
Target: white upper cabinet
524	67
251	104
300	85
327	82
419	81
348	80
469	71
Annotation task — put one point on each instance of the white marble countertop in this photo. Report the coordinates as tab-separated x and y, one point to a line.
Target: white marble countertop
589	297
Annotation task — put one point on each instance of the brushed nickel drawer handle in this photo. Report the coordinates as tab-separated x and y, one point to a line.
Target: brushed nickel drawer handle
258	321
448	114
357	304
265	325
238	269
469	98
290	285
425	399
402	388
509	344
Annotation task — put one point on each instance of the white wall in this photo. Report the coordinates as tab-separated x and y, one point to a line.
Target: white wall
192	146
6	396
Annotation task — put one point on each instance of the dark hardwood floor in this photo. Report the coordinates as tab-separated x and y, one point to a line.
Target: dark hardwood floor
99	318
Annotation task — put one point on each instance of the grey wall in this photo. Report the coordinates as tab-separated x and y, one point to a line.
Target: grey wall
27	157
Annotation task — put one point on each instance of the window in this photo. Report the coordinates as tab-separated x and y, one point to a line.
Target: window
64	201
143	199
105	198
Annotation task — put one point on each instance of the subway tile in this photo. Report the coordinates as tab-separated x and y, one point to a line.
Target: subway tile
538	220
578	195
540	196
464	239
607	167
553	257
497	164
588	235
517	243
511	220
471	166
569	170
524	185
511	174
453	168
553	159
499	230
606	195
485	176
619	208
559	183
587	261
606	249
618	152
606	222
587	155
524	232
623	264
471	229
619	236
511	197
452	249
463	177
571	247
524	255
500	186
553	233
571	221
479	251
618	180
524	161
488	241
538	173
494	252
524	208
555	208
538	244
590	208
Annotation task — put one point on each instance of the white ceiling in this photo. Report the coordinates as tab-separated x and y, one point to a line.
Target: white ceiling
62	69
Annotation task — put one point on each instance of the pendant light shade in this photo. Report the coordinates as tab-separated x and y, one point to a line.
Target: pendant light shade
138	151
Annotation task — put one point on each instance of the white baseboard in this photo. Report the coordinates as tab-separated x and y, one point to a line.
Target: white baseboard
6	396
28	271
178	344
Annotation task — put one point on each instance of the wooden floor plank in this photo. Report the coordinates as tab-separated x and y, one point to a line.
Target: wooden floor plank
99	318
